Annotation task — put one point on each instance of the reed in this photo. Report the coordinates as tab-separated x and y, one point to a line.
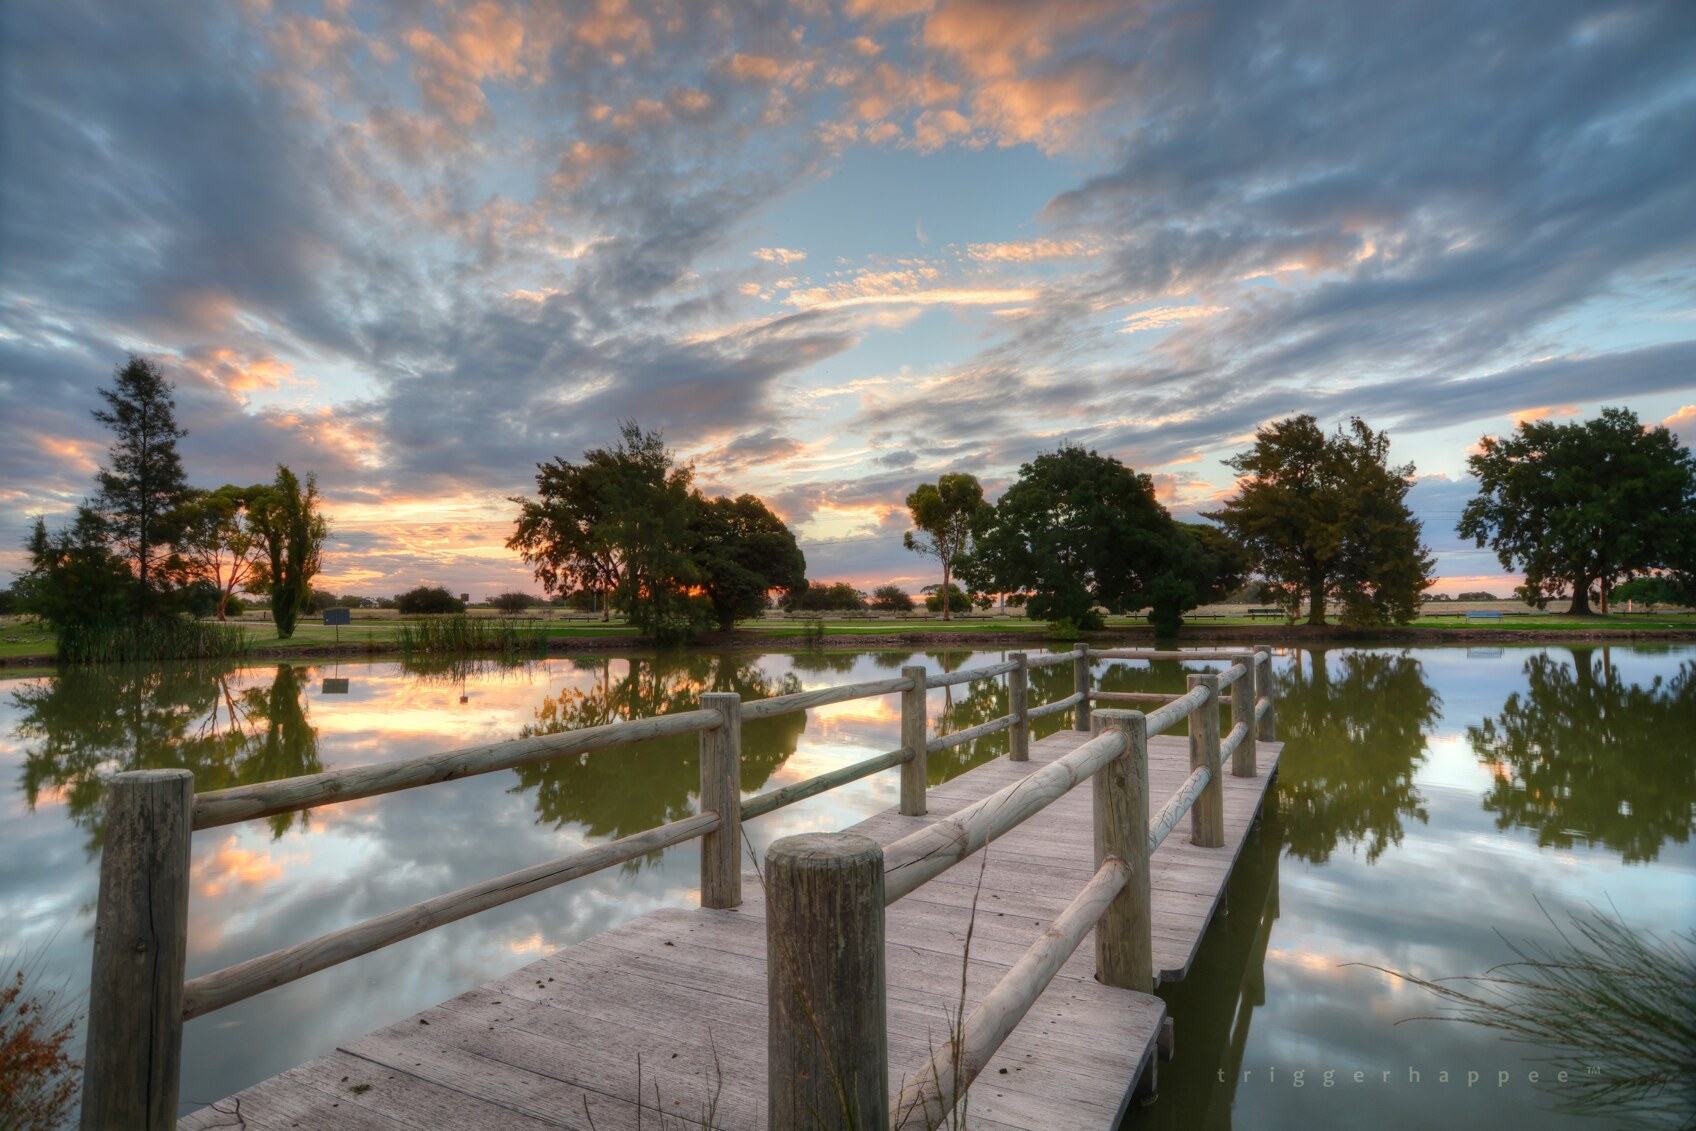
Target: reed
463	635
157	638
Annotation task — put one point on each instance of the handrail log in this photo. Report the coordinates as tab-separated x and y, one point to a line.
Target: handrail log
287	795
1176	806
1052	658
1054	708
774	799
1228	744
1133	697
820	696
1133	654
937	1086
927	853
245	979
993	726
967	675
1260	708
1177	709
1231	674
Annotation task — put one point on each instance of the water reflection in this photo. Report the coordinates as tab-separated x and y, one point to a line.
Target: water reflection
91	720
614	793
1357	722
1583	755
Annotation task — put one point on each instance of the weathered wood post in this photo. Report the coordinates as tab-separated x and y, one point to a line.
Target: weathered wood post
721	792
915	732
827	1041
1242	711
1124	939
1080	686
1207	815
1019	705
135	993
1263	690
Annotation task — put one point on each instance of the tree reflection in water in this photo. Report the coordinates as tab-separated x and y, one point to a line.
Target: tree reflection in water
626	789
1354	728
1584	756
96	719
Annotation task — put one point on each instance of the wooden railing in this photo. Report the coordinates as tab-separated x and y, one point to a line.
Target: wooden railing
138	1000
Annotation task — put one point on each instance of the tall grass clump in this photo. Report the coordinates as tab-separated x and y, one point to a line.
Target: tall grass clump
1603	996
463	635
155	638
39	1081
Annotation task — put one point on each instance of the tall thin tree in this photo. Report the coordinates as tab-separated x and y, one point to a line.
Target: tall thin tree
143	486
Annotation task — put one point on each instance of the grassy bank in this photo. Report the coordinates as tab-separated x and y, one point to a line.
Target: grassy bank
384	632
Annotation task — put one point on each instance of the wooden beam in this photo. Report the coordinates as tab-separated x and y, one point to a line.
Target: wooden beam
1080	688
134	1056
774	799
819	697
1124	939
827	1039
1019	705
1207	815
721	793
1243	696
915	725
1175	711
982	730
1053	708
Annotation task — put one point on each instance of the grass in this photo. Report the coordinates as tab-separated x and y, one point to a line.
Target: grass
1603	995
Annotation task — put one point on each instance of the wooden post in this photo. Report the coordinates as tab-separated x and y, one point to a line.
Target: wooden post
827	1041
1124	940
135	993
915	732
1242	711
1019	705
1263	690
721	792
1080	686
1207	815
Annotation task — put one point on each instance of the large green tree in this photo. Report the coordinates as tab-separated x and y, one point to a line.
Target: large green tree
142	486
1325	518
743	552
218	542
1078	529
1584	504
289	523
944	513
627	519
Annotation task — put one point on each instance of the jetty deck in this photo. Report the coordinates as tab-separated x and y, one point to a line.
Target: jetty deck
663	1022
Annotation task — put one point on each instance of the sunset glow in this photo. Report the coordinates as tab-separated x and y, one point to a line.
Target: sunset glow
832	250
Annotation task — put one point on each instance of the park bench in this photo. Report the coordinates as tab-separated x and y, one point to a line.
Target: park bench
1483	614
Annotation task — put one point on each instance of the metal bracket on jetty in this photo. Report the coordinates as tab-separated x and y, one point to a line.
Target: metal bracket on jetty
860	928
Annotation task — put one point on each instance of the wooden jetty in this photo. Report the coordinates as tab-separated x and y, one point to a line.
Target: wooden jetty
887	976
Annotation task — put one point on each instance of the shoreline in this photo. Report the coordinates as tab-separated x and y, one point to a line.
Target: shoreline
743	640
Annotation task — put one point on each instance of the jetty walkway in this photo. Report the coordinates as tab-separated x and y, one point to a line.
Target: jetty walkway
923	966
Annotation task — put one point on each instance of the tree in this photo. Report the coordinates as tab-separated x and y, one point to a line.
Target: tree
1226	562
1581	505
743	552
428	600
512	602
287	521
621	520
143	486
944	513
939	598
1652	589
1326	519
1078	530
891	599
815	597
218	542
75	582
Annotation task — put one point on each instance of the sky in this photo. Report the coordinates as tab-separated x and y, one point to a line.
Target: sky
832	250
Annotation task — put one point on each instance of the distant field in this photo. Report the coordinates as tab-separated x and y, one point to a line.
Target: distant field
20	636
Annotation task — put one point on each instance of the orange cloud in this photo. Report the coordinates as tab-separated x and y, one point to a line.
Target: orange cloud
233	866
1528	415
1682	423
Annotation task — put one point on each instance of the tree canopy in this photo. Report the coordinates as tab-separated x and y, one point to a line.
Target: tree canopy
627	521
218	542
142	486
1325	518
1584	504
289	524
945	512
1078	529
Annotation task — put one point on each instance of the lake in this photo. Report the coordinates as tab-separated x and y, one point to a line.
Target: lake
1433	806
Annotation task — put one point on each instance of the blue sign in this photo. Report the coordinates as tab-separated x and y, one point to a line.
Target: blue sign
338	616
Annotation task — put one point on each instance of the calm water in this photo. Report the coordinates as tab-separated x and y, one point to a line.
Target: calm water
1429	799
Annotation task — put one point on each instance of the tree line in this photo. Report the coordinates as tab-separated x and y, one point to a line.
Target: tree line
148	552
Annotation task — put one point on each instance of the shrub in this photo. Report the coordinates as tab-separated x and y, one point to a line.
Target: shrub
512	602
38	1079
428	599
891	599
